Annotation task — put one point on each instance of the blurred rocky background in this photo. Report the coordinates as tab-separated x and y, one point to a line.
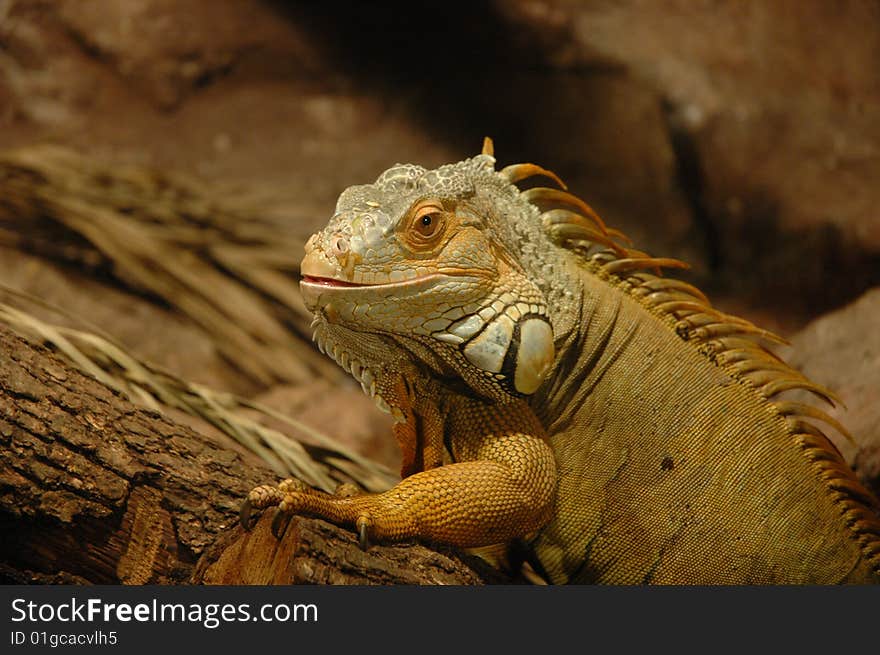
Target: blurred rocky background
743	137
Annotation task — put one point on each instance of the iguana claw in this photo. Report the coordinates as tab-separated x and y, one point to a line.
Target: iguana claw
245	515
280	522
363	523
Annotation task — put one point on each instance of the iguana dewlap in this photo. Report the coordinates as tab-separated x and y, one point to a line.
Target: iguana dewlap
553	392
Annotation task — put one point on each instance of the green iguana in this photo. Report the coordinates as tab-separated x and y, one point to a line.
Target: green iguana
555	394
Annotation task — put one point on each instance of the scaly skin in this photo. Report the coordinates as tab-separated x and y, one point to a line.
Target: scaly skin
552	393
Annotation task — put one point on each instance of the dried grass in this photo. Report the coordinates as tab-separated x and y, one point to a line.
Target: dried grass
167	238
230	272
98	356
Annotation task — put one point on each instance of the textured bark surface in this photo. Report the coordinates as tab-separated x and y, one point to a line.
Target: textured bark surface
96	490
316	552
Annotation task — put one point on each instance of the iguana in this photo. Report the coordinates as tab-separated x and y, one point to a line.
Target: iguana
556	396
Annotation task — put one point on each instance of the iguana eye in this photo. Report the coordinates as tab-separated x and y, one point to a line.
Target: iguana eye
427	222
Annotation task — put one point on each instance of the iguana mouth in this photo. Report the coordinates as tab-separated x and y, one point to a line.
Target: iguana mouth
313	287
336	283
331	282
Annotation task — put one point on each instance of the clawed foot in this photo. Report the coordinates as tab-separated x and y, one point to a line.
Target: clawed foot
289	497
258	499
267	495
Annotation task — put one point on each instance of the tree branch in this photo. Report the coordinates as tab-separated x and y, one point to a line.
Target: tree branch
96	490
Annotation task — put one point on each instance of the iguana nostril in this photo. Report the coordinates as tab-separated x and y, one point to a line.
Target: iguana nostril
339	246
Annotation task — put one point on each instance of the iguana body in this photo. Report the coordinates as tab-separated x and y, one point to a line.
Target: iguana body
553	393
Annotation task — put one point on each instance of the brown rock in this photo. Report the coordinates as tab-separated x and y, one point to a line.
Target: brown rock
170	49
261	110
771	103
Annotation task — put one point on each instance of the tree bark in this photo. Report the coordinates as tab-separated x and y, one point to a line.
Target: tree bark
94	489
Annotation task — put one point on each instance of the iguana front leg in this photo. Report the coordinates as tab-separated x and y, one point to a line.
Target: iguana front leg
500	488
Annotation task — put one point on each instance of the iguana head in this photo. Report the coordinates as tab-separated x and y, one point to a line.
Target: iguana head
427	265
